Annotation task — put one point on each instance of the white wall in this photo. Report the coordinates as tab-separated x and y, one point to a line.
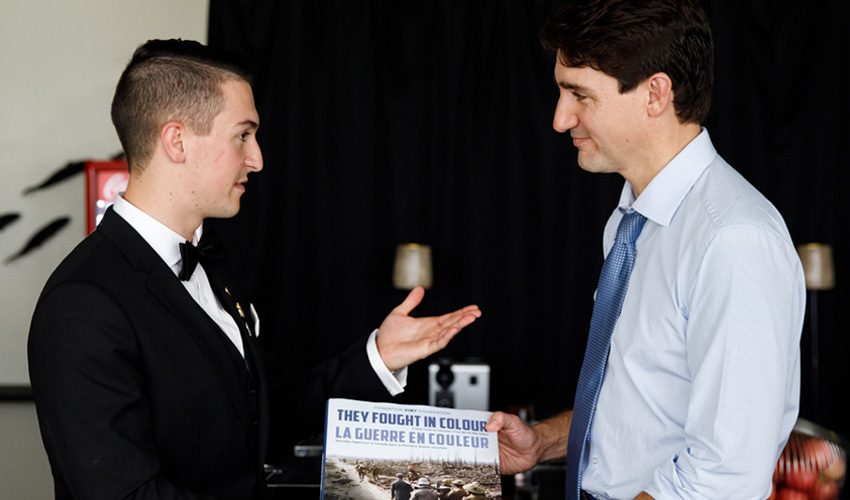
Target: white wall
24	471
59	62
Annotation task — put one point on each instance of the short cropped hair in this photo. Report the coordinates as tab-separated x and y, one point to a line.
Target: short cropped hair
631	40
170	80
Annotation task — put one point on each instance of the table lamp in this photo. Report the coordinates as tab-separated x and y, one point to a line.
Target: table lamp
820	275
412	266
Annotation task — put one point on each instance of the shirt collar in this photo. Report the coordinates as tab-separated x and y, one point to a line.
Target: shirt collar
665	192
164	241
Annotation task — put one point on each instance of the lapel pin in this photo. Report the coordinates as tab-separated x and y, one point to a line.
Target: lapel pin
238	305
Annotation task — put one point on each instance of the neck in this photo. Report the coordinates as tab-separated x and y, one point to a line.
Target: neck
146	195
664	146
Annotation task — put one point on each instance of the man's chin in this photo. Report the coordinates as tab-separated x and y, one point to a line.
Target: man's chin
586	162
225	212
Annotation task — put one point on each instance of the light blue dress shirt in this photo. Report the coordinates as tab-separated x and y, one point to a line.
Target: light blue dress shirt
702	385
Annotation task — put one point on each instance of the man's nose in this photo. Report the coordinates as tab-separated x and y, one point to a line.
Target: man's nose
254	162
565	117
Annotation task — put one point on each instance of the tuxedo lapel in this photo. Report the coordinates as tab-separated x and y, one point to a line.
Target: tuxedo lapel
165	285
224	286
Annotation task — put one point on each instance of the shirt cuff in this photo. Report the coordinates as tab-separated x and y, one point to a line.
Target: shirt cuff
393	381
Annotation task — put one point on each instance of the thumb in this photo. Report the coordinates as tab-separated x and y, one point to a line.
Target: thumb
413	299
497	422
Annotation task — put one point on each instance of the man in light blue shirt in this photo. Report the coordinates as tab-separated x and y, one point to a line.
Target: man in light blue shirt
701	386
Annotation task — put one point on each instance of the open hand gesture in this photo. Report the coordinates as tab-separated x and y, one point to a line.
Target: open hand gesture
403	339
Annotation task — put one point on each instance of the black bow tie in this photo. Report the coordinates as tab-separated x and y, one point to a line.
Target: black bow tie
208	249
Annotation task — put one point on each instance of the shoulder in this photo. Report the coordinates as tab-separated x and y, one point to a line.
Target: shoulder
84	263
96	284
87	281
106	257
723	205
726	198
727	231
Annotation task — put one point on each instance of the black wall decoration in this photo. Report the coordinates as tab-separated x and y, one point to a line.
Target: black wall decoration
69	170
8	219
40	237
45	233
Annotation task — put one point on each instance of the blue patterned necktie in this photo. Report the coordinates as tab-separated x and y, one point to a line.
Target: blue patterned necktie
613	282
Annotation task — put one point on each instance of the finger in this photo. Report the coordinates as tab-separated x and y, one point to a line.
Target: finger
460	321
437	339
467	320
470	309
496	422
450	327
446	333
411	301
443	339
454	316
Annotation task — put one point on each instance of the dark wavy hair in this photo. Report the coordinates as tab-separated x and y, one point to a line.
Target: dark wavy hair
631	40
170	80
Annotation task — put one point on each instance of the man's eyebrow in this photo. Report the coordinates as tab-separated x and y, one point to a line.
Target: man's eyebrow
249	123
571	86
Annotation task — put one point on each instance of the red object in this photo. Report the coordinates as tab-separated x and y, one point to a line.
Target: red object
104	180
824	490
789	494
801	477
818	453
812	465
836	470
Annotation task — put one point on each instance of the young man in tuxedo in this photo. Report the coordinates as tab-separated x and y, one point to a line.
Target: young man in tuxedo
146	368
690	382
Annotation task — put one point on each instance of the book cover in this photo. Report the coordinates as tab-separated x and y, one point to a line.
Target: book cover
388	451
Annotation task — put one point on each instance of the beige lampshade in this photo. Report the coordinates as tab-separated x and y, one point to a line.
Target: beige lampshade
412	266
817	265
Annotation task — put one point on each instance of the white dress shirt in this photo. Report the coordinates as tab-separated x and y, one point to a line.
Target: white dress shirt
166	243
701	388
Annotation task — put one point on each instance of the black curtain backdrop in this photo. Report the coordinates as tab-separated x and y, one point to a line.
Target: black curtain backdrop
385	122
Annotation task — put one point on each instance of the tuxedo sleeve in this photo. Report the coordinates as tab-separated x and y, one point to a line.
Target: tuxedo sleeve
88	384
297	400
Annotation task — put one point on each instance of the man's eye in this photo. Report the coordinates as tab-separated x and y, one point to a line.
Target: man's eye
244	136
579	97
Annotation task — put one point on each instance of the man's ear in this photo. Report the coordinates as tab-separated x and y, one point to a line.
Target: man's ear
660	88
172	136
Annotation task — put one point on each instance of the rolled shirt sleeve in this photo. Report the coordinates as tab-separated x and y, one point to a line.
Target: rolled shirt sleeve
742	337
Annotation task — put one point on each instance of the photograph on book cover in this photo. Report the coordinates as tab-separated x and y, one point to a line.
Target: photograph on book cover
375	450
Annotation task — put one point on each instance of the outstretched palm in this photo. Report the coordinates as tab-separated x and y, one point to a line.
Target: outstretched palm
403	339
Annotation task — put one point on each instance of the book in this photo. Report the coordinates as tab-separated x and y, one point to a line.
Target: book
367	445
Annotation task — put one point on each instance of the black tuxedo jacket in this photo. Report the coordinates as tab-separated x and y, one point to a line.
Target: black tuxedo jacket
139	394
